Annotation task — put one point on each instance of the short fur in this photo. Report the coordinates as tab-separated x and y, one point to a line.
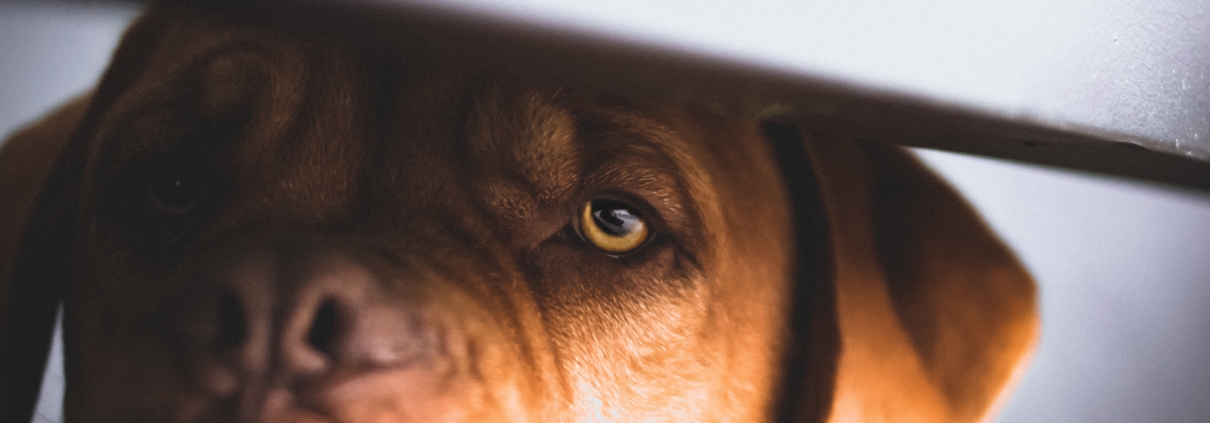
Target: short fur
379	240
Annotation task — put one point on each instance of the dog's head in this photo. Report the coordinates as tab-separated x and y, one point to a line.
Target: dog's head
258	225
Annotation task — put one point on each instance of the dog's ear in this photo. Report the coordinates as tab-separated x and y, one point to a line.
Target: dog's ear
936	314
42	167
809	366
29	303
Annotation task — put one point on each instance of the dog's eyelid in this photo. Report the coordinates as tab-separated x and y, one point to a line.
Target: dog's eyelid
128	156
652	214
172	196
630	232
654	191
664	210
130	141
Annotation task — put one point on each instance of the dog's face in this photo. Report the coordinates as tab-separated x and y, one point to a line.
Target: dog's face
285	230
256	223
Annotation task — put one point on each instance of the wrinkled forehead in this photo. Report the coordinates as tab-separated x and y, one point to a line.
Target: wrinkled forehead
287	106
199	73
533	140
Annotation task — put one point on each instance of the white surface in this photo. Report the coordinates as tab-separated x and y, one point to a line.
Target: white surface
1123	267
49	53
1136	67
1124	277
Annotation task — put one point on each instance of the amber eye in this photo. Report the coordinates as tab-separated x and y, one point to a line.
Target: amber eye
173	194
612	226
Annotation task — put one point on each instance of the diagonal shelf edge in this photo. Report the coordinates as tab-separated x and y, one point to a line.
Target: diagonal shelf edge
468	39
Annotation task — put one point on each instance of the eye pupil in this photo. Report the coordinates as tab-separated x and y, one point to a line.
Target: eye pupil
173	195
613	226
614	218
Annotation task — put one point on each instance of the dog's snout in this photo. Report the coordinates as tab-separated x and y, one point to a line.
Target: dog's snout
316	344
281	320
323	330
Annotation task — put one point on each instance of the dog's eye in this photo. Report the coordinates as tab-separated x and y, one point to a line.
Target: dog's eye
173	194
613	226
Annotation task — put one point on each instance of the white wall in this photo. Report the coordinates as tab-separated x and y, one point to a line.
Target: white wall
1124	272
1124	267
49	53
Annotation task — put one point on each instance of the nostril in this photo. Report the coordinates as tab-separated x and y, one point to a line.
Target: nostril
323	329
233	326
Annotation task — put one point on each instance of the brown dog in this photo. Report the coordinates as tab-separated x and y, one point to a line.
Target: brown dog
253	225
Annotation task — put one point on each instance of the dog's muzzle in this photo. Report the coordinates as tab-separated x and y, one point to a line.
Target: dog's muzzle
302	330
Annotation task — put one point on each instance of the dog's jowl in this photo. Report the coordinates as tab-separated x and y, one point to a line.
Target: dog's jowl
251	224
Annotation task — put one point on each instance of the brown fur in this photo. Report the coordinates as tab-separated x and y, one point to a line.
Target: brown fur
431	208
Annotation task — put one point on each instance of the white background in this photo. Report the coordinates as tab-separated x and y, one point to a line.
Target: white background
1124	268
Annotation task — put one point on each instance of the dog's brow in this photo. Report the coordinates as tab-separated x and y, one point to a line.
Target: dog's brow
211	85
525	136
641	156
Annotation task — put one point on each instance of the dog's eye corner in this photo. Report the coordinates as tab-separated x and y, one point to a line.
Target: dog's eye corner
614	227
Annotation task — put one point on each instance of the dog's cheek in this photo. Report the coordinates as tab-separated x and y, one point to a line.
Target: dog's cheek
565	272
121	311
629	335
131	369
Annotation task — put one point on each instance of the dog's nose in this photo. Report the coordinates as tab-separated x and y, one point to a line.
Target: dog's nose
286	319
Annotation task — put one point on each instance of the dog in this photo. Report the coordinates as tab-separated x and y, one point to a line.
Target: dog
247	224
